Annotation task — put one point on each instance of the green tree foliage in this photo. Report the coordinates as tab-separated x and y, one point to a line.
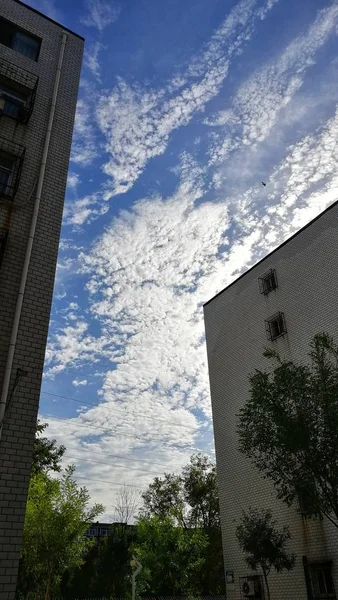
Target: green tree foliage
200	490
164	497
112	569
57	517
191	497
289	427
263	544
171	555
46	454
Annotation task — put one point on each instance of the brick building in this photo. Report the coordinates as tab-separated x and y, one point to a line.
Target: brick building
282	302
40	63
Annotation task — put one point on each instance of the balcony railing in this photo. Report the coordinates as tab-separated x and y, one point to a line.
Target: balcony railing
17	91
11	161
3	241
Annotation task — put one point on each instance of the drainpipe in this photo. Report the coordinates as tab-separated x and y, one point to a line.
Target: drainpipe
19	302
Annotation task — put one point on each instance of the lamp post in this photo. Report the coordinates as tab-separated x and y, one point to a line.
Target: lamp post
136	567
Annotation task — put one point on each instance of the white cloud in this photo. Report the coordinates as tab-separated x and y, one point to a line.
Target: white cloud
151	270
85	146
73	180
101	13
260	100
106	461
85	210
78	383
73	346
47	7
91	60
138	121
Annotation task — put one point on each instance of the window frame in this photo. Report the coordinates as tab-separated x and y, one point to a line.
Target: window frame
279	316
15	153
3	242
17	89
324	566
8	37
6	186
263	279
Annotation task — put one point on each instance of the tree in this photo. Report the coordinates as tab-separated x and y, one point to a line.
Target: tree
172	556
57	517
191	497
164	497
112	573
200	490
289	427
46	454
126	504
264	544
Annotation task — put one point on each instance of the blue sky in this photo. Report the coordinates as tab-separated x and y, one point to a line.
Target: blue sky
184	109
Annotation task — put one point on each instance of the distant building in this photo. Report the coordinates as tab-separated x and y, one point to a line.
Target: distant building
99	530
40	63
102	530
281	303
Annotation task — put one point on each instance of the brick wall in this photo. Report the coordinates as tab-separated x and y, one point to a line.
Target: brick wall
18	433
307	271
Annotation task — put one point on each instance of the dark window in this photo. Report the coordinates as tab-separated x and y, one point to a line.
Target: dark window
321	581
275	326
3	241
6	173
268	282
17	91
11	160
104	531
19	40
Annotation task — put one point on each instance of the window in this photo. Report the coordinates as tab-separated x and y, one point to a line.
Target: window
268	282
104	531
11	101
3	241
6	173
17	91
321	581
19	40
275	326
92	531
11	160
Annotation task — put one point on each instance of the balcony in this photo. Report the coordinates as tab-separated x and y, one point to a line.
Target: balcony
3	241
17	91
11	161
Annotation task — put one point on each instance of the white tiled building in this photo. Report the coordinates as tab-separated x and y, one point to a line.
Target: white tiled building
40	63
300	281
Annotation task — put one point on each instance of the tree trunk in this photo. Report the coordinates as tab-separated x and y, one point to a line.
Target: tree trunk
266	584
47	591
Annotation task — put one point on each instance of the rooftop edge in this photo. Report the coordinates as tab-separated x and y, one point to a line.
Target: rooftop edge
49	19
273	251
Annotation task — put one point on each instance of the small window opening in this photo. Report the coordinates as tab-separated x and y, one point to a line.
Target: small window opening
11	161
275	326
19	40
321	581
17	91
3	242
268	282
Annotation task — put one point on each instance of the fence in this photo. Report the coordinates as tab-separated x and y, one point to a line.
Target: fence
144	598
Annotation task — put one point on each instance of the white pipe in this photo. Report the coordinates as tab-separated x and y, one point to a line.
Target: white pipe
19	302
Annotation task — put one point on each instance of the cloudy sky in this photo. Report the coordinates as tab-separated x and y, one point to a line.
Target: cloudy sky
184	109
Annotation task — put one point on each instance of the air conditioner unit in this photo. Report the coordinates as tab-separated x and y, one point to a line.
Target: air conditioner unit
248	589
